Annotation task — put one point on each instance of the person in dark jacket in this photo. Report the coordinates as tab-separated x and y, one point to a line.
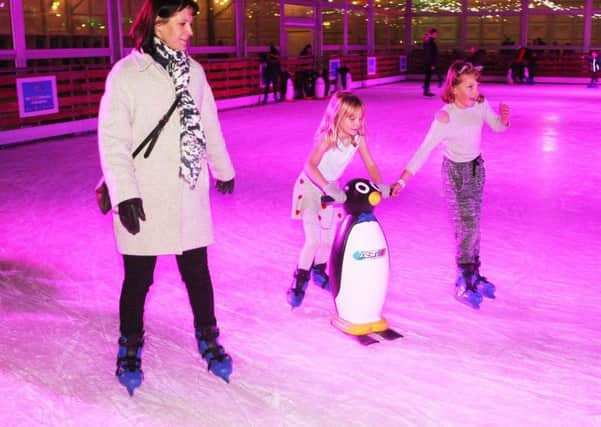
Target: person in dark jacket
272	74
431	60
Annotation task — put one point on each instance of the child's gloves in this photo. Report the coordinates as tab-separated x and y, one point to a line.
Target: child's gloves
130	214
335	192
385	190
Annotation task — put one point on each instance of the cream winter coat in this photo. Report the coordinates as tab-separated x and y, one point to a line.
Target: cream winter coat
138	93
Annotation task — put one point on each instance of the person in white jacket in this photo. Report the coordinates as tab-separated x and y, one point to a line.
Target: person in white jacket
161	203
458	125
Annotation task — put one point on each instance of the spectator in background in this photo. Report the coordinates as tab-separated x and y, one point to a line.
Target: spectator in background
271	74
431	59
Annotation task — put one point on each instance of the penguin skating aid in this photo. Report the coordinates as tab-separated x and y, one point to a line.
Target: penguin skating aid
359	267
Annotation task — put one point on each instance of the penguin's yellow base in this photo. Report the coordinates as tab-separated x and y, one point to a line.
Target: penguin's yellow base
359	328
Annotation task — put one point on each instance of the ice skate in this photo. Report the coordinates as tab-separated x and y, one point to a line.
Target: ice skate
465	287
129	363
296	293
320	277
218	361
485	288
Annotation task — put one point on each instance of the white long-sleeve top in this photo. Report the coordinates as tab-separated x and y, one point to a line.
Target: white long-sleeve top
461	134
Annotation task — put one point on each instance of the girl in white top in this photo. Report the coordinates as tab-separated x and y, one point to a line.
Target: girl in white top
339	136
458	125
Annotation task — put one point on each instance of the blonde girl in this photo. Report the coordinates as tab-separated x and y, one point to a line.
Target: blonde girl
341	133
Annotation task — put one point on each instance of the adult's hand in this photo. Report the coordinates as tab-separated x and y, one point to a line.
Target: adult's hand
130	214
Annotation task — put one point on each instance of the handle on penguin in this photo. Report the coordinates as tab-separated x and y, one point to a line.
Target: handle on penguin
327	200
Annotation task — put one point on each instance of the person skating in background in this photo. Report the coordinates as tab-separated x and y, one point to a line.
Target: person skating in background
341	133
594	67
162	201
458	125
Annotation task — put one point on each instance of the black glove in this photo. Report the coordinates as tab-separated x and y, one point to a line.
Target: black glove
225	187
130	214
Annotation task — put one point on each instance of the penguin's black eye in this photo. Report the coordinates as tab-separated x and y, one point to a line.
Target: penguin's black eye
362	188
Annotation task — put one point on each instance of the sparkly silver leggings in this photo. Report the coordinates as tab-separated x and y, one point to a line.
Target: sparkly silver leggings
463	184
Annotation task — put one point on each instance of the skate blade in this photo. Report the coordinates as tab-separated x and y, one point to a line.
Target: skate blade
468	303
222	371
131	381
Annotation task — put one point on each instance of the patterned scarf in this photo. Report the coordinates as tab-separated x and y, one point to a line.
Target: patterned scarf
193	145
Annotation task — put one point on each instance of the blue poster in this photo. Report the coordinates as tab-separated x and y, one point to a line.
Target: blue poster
371	65
37	96
334	66
403	63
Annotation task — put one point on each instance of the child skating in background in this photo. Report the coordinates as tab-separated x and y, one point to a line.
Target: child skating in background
340	134
458	125
594	68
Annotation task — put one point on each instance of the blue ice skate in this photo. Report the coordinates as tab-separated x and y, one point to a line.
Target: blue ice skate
218	361
465	287
296	293
320	277
485	288
467	296
129	364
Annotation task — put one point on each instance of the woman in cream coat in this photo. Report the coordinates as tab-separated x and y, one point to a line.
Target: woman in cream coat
161	203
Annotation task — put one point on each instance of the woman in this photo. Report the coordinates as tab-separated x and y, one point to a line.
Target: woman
162	201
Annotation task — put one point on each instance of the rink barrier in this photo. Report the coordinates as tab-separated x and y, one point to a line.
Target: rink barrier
236	83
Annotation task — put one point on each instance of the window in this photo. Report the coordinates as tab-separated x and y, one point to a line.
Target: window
333	26
447	27
492	30
65	24
357	27
555	29
436	6
390	31
556	5
6	40
494	5
262	22
215	25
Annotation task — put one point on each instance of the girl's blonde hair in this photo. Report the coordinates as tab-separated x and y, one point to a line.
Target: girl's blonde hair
341	104
456	70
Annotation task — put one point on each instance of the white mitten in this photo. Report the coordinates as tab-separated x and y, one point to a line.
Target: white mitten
384	190
335	192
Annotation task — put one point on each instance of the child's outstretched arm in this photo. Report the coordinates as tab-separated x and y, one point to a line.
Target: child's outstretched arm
433	137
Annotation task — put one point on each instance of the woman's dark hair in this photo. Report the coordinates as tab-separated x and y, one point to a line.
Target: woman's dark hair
142	30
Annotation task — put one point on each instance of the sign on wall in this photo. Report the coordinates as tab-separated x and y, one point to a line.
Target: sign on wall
371	65
403	63
334	65
37	96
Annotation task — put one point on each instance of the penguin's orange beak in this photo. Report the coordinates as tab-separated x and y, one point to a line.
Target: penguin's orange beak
374	198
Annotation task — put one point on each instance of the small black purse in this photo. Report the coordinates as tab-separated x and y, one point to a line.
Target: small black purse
103	198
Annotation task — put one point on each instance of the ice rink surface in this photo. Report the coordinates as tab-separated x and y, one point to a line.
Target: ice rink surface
529	358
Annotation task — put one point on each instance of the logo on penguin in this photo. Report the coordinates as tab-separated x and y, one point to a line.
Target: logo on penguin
369	254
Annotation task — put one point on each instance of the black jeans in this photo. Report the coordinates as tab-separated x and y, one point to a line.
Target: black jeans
139	275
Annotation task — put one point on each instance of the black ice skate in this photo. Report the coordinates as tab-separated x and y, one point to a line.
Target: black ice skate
296	293
218	361
129	363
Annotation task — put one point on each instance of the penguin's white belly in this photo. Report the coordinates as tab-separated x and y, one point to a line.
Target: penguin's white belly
364	276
